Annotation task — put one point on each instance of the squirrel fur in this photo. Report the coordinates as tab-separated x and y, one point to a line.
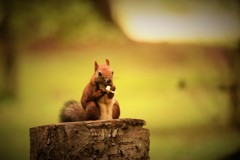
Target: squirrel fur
97	103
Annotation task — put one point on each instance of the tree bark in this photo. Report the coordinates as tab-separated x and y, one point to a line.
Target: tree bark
88	140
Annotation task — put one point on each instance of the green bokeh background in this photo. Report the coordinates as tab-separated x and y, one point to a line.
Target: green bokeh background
173	87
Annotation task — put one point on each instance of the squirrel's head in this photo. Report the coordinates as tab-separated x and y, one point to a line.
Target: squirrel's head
103	73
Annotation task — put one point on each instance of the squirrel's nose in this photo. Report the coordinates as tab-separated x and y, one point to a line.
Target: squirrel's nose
109	81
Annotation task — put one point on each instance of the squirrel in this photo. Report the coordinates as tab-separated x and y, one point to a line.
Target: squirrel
97	101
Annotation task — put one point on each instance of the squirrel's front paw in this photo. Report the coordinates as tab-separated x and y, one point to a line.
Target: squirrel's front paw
99	93
113	88
103	90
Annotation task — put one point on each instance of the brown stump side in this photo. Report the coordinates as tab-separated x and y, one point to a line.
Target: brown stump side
87	140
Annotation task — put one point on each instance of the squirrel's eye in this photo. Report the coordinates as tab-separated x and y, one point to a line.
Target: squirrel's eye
99	73
112	72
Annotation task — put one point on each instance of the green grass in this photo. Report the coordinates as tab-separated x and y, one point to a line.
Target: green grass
147	79
195	143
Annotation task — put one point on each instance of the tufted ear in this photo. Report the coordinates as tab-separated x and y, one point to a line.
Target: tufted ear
95	66
107	62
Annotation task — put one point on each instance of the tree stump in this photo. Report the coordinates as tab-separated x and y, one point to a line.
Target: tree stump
88	140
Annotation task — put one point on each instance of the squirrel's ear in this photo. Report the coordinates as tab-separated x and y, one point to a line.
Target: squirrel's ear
95	66
107	62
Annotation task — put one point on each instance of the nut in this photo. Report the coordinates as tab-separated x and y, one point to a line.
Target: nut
108	88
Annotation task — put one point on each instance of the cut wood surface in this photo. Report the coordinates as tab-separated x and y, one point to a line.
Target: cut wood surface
103	139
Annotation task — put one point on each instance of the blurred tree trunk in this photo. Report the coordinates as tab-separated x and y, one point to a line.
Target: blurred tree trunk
233	60
235	87
8	52
103	8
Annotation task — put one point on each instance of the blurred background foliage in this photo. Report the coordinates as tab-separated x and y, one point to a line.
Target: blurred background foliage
61	20
188	93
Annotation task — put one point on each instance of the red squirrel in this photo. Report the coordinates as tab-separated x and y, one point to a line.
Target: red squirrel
97	102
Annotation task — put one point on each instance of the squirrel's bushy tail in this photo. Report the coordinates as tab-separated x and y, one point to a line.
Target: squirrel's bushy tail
71	112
